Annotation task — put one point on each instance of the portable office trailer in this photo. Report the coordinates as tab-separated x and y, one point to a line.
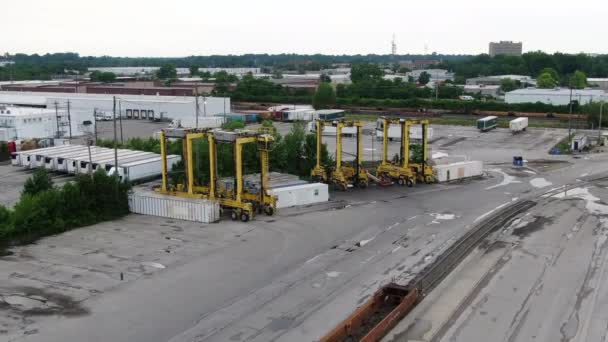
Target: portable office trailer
143	169
487	123
50	159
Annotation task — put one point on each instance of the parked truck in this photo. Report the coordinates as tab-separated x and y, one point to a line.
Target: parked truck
518	125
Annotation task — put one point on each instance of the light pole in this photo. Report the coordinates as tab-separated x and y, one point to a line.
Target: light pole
599	127
570	118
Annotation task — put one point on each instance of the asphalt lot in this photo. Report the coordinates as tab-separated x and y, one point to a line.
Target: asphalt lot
291	277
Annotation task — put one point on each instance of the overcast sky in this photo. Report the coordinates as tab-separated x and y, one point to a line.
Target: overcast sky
200	27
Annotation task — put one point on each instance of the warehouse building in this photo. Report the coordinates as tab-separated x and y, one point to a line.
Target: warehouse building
556	96
146	107
495	80
485	90
21	123
601	83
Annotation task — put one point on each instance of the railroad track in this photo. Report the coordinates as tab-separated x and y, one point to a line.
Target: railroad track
448	260
391	303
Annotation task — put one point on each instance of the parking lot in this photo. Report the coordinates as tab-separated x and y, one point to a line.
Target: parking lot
227	272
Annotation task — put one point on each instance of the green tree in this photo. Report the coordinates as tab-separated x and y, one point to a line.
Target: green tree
507	85
105	77
546	81
424	78
325	78
550	71
324	97
578	80
39	182
403	70
277	74
365	72
194	70
167	72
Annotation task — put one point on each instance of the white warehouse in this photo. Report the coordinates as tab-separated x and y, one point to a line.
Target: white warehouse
36	123
82	106
556	96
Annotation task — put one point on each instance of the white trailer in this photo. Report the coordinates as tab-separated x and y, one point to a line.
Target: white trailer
144	169
302	194
21	158
82	162
394	131
61	162
518	125
100	163
108	164
34	158
301	114
330	130
50	159
203	122
460	170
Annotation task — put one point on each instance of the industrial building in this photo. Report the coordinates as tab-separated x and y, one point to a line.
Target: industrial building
486	90
21	123
83	106
495	80
505	48
601	83
556	96
437	75
149	71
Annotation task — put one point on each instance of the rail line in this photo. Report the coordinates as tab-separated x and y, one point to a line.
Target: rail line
391	303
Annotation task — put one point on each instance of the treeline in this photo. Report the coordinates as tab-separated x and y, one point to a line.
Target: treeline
419	103
44	209
530	63
309	62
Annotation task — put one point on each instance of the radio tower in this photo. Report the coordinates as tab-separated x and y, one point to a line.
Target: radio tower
393	46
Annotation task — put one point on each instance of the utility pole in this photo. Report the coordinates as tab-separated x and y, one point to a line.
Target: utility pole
57	118
69	120
196	106
95	124
120	119
204	106
570	118
599	127
115	146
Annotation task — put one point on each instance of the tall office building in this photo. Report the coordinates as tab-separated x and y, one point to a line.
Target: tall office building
505	48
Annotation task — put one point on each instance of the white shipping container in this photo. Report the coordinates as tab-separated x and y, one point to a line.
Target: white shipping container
460	170
203	122
189	209
301	115
303	194
518	125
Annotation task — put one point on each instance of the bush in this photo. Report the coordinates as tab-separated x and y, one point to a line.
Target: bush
41	181
44	210
233	124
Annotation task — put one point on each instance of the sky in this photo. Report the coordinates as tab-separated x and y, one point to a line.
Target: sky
202	27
